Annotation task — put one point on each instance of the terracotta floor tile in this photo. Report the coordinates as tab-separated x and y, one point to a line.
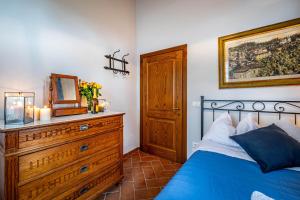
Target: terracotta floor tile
127	163
127	191
166	162
149	158
149	172
127	170
134	153
112	196
145	163
141	153
165	174
144	176
115	188
139	183
153	183
146	193
156	163
101	197
163	181
128	177
136	164
137	171
169	167
136	158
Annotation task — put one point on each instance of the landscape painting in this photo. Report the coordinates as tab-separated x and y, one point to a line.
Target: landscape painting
266	57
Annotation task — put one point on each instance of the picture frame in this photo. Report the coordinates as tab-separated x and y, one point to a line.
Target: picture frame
265	56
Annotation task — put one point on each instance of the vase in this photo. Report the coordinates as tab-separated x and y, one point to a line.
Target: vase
90	104
84	101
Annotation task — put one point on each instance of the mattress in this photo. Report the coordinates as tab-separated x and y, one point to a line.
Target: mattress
220	172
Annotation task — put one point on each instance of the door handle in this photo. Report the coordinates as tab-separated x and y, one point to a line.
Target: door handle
176	109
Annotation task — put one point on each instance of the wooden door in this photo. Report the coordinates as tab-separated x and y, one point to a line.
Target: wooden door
163	103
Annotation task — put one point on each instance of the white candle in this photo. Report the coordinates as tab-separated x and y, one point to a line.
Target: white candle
45	114
36	113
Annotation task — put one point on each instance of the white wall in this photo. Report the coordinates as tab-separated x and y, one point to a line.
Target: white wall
162	24
39	37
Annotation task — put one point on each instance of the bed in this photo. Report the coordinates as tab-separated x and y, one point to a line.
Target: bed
216	171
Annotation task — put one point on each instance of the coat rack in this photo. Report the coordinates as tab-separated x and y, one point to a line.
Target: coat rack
112	60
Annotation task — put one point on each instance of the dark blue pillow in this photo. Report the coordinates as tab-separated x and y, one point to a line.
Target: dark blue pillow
270	147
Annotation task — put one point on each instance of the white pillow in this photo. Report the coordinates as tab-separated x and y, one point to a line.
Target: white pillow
220	131
259	196
289	128
247	124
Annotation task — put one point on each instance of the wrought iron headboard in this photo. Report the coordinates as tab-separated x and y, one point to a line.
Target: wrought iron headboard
254	106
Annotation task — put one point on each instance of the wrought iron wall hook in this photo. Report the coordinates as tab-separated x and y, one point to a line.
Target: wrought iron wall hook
116	52
123	63
123	57
112	59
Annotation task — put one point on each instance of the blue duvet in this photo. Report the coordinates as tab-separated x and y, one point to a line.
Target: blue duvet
213	176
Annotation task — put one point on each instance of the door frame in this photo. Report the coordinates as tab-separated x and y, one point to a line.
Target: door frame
183	157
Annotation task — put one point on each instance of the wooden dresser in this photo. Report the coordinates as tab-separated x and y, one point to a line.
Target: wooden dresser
75	157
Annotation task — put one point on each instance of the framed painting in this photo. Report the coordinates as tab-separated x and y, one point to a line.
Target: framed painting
266	56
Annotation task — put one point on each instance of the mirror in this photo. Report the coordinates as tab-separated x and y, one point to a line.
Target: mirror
64	96
66	89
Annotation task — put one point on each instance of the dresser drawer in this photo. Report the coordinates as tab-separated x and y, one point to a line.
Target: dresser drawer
58	182
88	189
41	137
40	162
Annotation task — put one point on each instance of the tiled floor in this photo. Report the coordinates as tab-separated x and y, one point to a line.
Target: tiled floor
144	176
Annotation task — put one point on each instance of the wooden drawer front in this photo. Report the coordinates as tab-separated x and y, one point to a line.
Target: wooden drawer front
99	184
40	162
59	181
40	137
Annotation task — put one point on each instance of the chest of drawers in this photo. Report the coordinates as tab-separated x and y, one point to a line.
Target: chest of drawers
67	158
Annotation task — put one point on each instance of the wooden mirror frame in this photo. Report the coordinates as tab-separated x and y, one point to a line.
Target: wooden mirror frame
53	98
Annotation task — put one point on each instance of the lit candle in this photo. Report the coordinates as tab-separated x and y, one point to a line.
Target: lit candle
45	114
101	107
36	113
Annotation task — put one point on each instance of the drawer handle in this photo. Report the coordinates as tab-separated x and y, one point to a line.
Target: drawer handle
84	127
83	169
83	190
84	147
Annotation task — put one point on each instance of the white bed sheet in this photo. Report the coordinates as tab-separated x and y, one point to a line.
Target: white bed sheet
237	152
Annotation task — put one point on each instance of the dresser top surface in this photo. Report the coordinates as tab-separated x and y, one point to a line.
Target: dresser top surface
55	120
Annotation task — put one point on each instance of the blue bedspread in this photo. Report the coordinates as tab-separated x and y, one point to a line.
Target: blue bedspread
213	176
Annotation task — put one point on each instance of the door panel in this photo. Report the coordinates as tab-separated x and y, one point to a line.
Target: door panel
162	133
161	96
162	103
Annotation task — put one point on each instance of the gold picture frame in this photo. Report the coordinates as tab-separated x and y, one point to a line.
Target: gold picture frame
266	56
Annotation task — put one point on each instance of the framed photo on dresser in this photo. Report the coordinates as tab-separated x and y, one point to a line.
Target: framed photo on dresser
266	56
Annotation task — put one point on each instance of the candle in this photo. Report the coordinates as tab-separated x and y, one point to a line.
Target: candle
101	107
29	112
45	114
36	113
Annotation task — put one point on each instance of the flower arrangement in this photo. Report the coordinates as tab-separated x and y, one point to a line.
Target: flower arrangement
89	90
